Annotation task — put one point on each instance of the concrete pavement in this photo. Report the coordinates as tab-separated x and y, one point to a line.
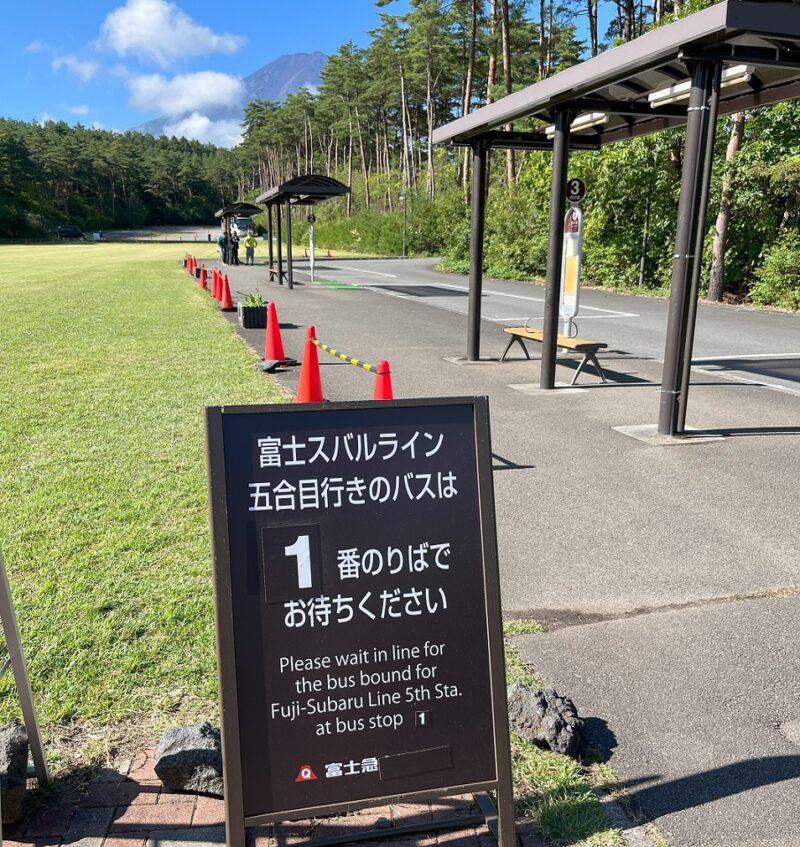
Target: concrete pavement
688	706
595	528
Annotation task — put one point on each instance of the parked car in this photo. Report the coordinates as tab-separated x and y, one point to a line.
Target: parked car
66	232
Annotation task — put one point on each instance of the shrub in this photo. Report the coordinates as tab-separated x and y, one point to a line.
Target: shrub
778	278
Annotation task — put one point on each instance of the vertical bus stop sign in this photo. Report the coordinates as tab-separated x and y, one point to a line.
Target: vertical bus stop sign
312	219
571	255
359	632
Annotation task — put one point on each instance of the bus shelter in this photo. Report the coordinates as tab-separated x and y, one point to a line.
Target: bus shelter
235	210
306	190
732	56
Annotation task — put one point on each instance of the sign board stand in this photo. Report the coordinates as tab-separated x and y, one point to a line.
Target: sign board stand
359	629
16	663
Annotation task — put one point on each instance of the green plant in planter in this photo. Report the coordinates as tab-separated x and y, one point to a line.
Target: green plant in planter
254	299
253	311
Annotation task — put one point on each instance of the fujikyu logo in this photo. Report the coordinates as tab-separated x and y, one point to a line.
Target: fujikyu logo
305	774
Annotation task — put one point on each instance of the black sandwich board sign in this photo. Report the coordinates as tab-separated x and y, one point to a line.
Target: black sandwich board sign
359	635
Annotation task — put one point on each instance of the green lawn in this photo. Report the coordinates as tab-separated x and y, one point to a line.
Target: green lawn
108	355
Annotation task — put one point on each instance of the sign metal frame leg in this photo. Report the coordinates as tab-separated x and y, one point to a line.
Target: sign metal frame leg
16	662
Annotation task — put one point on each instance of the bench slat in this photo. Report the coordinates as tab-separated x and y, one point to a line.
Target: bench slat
579	344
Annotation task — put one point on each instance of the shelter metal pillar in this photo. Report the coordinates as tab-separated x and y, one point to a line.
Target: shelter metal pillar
278	242
558	191
691	321
480	154
289	268
269	235
685	246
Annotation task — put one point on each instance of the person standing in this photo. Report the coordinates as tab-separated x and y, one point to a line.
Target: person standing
250	248
221	247
234	259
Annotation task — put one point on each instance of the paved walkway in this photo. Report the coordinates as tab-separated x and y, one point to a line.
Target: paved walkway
668	575
128	808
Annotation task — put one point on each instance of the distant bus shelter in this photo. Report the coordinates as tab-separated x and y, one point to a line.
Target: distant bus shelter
735	55
236	210
304	190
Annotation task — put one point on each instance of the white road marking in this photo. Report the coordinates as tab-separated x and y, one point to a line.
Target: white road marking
488	292
735	378
365	271
748	356
760	382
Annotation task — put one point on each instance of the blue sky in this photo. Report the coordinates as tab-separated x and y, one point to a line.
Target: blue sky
117	64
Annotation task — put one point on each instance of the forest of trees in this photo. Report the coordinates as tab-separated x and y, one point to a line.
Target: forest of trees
369	124
54	173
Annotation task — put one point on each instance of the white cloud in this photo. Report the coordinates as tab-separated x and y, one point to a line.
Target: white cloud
158	31
80	109
84	69
185	92
201	128
44	117
36	47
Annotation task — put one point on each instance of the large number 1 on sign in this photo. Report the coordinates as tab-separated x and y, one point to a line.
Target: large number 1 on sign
301	550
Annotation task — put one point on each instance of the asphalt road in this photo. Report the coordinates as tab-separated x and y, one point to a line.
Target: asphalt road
669	575
735	342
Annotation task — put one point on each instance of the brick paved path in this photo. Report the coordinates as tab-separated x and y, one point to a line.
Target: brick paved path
128	808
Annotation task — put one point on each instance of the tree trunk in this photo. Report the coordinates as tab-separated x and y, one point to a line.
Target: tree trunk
506	43
350	166
716	283
364	172
473	36
490	79
405	164
431	181
591	11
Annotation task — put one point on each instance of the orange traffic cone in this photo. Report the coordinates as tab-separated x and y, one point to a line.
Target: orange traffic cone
203	277
309	387
273	344
328	252
214	278
218	292
383	382
225	300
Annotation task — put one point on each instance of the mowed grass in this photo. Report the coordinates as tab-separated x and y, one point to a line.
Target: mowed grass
108	355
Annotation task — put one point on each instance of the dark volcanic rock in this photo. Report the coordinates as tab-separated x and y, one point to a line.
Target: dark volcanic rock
189	758
13	769
544	718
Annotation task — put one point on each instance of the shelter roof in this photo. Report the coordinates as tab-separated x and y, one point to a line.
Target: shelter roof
758	41
238	209
305	190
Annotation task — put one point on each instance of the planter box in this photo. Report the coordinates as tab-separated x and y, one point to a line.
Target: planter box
253	317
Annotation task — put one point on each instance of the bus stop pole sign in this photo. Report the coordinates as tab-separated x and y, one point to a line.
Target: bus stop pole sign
312	219
359	631
572	252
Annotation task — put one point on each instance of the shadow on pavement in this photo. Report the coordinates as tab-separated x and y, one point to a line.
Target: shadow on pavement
751	431
708	786
600	737
504	464
787	367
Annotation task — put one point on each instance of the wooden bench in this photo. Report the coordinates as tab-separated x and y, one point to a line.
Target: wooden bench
580	345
